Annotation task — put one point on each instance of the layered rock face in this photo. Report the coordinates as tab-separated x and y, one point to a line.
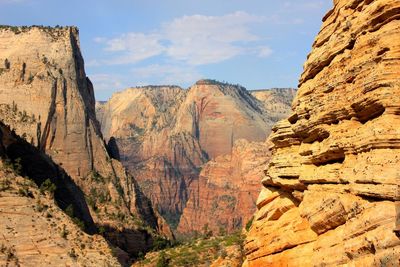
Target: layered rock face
223	199
330	189
35	232
47	98
164	134
34	228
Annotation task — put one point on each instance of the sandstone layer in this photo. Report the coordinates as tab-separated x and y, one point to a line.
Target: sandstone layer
34	229
330	191
164	134
47	99
224	197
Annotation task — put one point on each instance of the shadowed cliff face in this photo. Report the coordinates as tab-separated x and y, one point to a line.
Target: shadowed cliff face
165	134
330	188
47	98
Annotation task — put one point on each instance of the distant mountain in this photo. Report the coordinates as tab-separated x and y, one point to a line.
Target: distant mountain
165	134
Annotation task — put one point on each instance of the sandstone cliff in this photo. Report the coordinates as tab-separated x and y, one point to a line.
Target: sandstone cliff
47	98
223	198
164	134
34	230
330	189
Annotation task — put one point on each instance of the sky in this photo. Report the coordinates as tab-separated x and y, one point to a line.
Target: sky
256	43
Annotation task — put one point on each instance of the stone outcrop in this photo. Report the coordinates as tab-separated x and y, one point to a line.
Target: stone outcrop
34	229
224	197
330	190
36	232
47	99
164	134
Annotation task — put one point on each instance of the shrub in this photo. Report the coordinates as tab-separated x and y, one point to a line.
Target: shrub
161	243
64	232
25	192
162	261
249	223
48	186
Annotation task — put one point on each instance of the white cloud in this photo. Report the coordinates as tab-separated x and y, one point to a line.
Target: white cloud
201	39
194	40
167	74
105	82
264	51
137	47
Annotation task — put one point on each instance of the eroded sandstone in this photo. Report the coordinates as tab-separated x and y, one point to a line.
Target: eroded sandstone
337	154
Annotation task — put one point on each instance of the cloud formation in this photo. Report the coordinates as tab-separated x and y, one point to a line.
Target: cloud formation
193	40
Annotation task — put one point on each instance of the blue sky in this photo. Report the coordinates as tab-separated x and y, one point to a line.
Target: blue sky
255	43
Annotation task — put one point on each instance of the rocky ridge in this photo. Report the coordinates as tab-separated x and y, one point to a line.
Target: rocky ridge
330	191
165	134
47	99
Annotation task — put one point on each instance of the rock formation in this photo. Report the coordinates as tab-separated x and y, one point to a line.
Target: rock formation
223	198
47	99
330	189
277	101
164	134
34	230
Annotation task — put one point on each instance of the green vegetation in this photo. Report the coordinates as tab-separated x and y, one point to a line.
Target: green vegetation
47	186
30	79
163	261
201	251
25	192
64	232
249	223
5	184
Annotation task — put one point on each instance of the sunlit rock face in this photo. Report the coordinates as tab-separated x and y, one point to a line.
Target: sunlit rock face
330	190
223	199
165	134
47	99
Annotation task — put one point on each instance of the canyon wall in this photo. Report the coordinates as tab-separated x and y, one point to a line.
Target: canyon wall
330	190
47	99
165	134
223	198
34	229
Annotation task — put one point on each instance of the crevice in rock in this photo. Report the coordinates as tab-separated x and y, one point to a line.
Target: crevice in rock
293	119
330	157
368	111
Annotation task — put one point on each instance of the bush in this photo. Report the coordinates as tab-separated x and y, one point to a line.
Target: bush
249	223
25	192
160	243
64	232
48	186
163	261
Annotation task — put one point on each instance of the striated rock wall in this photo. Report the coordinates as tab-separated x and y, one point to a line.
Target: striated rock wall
47	98
34	229
164	134
223	199
330	189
